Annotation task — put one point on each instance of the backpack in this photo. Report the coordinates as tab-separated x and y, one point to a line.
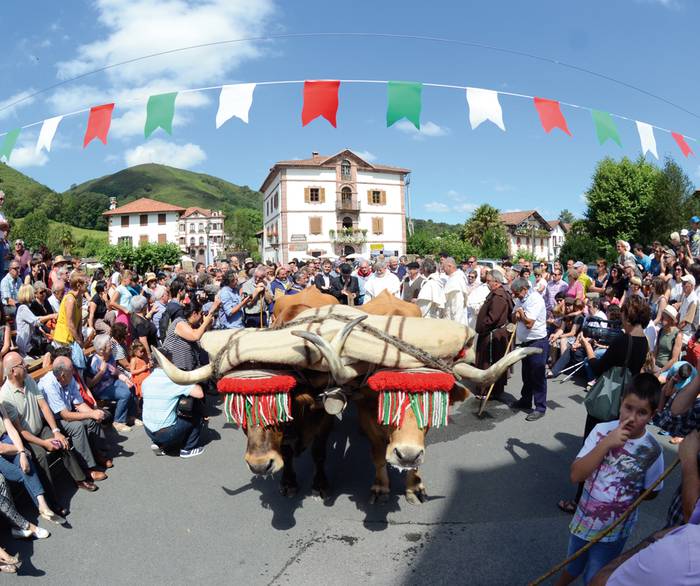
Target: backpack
163	325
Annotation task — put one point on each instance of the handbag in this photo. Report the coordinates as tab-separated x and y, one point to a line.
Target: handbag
603	400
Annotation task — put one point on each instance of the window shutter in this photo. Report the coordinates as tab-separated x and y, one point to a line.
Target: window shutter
380	225
383	198
162	238
307	197
143	238
314	225
321	195
369	196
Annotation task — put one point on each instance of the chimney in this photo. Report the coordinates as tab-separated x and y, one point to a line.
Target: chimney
112	203
314	154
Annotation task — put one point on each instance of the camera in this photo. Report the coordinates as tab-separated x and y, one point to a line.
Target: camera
601	330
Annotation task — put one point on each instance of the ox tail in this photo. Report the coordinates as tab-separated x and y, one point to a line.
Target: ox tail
182	377
490	375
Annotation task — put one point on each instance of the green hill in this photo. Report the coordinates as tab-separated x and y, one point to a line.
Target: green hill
82	205
171	185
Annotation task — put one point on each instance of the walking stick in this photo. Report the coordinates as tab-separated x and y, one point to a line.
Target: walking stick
486	399
602	534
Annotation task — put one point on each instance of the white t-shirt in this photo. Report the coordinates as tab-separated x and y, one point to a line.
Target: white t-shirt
534	308
375	285
686	302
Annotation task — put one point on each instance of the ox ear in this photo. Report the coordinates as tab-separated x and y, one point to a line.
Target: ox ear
458	393
304	399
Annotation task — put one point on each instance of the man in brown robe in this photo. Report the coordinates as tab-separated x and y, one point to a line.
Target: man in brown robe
491	323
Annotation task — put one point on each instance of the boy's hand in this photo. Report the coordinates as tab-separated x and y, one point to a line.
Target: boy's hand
618	437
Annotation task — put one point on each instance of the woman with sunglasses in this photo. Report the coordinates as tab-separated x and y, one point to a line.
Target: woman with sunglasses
617	281
674	290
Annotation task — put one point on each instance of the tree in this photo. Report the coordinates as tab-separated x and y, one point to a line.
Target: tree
484	218
148	256
566	217
619	197
241	227
33	229
579	245
494	244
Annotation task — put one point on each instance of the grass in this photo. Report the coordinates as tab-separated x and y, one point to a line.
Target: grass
79	233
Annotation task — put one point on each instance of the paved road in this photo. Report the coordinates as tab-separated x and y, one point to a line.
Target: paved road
491	517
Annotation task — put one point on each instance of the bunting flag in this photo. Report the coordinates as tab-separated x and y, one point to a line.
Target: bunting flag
605	127
646	138
47	132
235	100
483	106
159	113
403	101
9	143
99	122
320	99
550	115
680	141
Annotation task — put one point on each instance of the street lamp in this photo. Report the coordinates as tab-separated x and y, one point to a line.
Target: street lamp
207	230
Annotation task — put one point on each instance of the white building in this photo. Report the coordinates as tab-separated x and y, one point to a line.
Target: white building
197	231
143	220
528	230
333	205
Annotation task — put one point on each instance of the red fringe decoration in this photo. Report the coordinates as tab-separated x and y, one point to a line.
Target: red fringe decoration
411	382
257	386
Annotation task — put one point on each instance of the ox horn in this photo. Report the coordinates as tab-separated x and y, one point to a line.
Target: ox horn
495	371
331	352
182	377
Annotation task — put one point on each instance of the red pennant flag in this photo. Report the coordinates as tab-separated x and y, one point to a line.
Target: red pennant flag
680	141
320	99
98	123
550	115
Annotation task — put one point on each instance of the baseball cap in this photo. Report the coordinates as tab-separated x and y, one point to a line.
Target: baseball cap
688	279
695	220
684	232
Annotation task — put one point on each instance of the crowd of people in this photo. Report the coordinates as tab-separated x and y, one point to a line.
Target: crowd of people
77	356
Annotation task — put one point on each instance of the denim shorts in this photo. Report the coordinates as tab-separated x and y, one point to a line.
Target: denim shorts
591	562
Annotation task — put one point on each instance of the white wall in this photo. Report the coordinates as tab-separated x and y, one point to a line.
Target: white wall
152	230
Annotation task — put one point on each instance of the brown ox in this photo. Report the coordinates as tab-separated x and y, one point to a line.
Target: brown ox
288	307
270	449
386	304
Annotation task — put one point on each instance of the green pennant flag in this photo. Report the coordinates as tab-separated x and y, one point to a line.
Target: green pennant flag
605	127
159	113
9	143
403	101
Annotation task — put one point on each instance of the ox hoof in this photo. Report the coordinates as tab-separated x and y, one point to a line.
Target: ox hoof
416	497
321	493
378	497
289	490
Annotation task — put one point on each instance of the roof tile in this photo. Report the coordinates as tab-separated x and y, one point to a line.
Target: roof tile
143	205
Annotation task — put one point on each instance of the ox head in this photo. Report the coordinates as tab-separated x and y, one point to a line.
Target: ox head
263	452
406	446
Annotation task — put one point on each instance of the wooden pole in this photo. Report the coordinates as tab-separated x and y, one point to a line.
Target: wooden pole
602	534
486	399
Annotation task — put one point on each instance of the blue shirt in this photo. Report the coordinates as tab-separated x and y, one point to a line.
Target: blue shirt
645	261
59	397
655	267
674	370
9	288
160	397
229	300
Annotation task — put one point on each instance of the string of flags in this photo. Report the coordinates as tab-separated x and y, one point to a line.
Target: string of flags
321	99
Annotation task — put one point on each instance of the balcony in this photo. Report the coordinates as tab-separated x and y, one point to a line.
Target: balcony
350	236
347	205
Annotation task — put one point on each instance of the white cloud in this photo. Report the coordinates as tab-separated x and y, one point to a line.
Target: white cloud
184	156
437	207
427	129
6	110
143	27
26	156
465	207
366	155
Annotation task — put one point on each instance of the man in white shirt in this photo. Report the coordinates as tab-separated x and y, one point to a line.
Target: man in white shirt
381	280
431	297
455	292
530	315
688	308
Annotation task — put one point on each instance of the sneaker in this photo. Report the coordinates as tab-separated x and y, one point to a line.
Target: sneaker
157	450
40	533
135	422
191	453
53	517
121	427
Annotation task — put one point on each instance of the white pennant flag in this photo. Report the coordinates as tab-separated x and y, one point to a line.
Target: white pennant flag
48	130
235	100
646	137
483	106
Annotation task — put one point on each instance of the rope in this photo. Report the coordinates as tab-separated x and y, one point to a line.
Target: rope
602	534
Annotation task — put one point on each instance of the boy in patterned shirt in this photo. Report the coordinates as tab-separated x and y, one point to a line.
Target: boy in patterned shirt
618	461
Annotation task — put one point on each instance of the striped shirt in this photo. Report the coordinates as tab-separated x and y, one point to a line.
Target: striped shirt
183	354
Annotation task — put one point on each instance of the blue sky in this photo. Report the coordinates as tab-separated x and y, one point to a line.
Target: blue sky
647	43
